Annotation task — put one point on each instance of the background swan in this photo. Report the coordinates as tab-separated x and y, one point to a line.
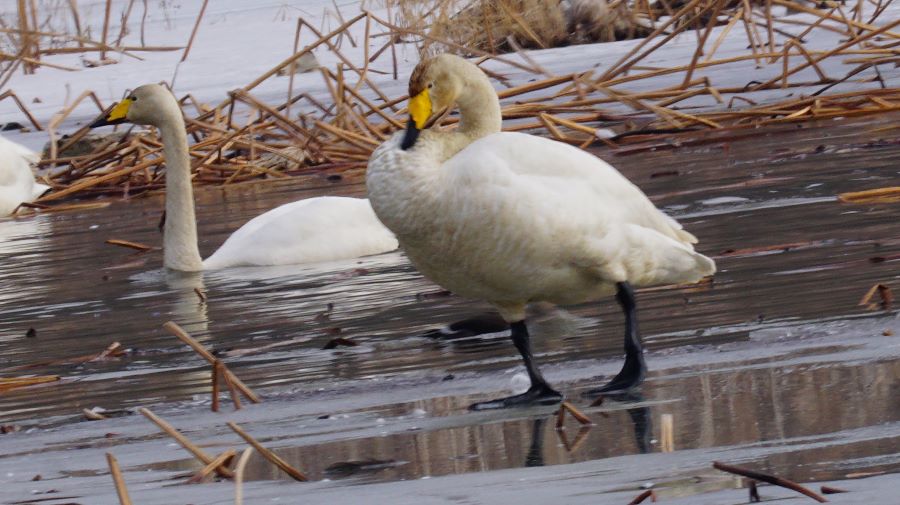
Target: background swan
306	231
514	218
17	183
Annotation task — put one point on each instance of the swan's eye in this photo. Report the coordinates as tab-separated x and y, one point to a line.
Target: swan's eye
132	98
430	85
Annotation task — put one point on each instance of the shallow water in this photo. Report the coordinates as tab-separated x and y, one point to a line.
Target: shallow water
765	208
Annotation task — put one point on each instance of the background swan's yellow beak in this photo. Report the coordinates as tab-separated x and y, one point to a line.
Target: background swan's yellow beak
117	115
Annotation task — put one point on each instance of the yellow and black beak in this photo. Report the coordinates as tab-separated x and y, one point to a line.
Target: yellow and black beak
419	112
118	114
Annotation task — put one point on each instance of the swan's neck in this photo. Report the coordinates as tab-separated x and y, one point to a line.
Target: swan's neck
180	235
479	112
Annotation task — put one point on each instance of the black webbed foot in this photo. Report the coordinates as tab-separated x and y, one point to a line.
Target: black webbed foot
536	395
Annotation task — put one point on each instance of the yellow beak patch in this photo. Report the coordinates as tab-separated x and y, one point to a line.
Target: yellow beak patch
420	108
120	111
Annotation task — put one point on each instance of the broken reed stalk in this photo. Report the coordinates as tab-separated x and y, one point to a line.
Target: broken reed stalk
116	473
239	476
235	396
182	335
130	245
183	440
643	496
667	433
269	455
190	43
10	383
105	29
577	414
221	460
216	371
768	478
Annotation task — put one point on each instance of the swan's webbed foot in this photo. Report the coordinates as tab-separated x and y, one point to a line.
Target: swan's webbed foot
536	395
635	369
630	377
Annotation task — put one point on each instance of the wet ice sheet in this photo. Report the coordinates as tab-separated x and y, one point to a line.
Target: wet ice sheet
746	365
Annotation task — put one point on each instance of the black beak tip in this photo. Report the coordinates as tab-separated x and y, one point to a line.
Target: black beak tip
102	121
411	135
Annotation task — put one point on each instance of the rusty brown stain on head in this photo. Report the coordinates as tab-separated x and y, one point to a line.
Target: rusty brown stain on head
418	80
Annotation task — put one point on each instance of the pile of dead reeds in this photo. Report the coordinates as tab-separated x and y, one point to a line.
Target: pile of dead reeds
277	140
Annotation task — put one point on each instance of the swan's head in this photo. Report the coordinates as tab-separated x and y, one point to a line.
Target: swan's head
435	84
149	104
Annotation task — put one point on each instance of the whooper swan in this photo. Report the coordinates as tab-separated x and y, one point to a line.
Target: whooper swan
17	183
305	231
513	218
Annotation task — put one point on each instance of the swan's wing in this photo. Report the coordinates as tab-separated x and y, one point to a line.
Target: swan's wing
567	170
306	231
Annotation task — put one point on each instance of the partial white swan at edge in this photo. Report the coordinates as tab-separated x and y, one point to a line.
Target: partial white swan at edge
17	184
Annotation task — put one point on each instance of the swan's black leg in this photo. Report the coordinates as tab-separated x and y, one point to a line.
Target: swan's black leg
634	369
540	393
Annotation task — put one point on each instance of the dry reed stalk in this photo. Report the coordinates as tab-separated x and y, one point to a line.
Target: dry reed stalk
105	29
239	476
274	70
836	50
884	291
614	70
221	460
292	69
116	473
129	244
190	43
123	27
753	35
184	442
73	6
667	433
643	496
10	383
10	94
829	16
453	45
269	455
216	373
346	61
83	185
182	335
771	479
232	389
713	18
24	35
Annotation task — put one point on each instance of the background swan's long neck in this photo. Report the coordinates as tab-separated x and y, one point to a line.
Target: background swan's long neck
180	236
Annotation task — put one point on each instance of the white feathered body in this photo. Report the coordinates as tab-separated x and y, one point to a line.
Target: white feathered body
515	218
306	231
17	183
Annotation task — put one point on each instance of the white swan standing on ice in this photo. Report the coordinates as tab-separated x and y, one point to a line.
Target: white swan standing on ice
17	183
306	231
513	218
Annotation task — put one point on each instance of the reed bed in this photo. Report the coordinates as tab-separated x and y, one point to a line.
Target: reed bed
246	138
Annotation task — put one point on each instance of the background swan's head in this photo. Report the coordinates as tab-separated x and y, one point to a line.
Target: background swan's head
149	104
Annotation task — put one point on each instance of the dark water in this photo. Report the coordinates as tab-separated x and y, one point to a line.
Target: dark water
765	208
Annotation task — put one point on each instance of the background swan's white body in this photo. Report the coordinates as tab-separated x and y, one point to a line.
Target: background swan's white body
515	218
306	231
17	183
